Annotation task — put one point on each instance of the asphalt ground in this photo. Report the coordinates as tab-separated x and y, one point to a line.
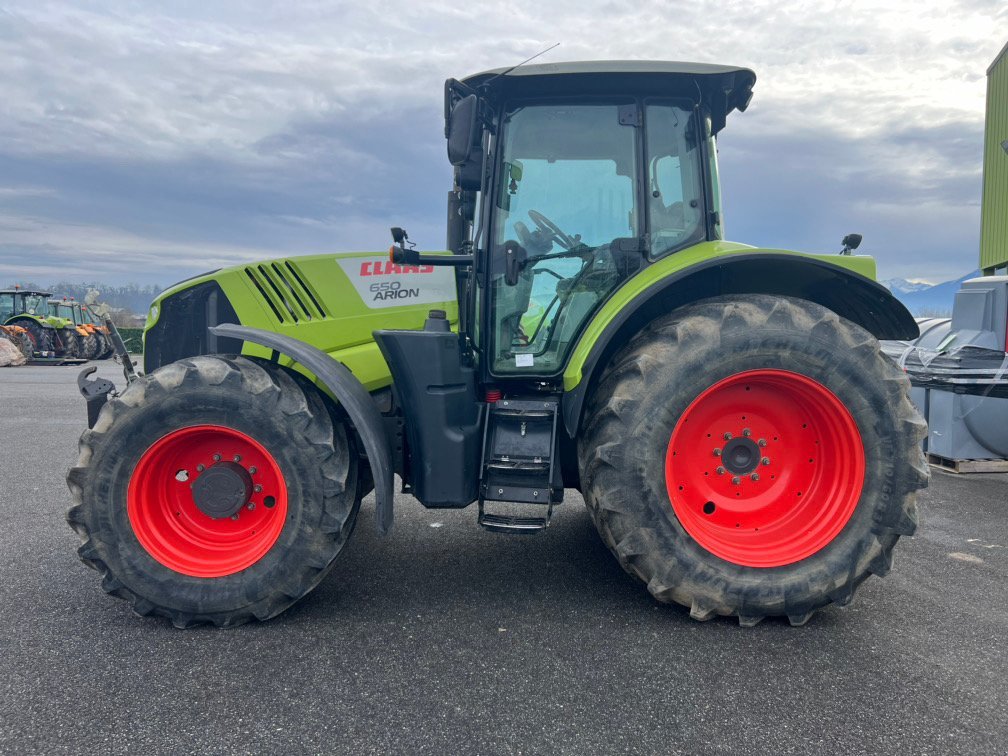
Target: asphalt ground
444	639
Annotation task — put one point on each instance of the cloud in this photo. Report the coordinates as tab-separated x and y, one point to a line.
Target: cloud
150	140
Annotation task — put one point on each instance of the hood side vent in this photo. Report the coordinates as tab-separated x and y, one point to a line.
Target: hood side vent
283	295
262	291
305	289
286	292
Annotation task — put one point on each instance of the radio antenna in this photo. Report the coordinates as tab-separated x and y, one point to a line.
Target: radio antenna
506	71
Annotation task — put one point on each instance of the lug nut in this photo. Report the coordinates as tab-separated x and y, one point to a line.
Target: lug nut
720	471
253	470
765	460
250	506
746	432
200	468
727	436
762	442
717	452
736	480
257	488
234	516
237	457
216	457
754	477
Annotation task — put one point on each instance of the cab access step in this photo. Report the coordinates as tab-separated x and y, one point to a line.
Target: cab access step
519	465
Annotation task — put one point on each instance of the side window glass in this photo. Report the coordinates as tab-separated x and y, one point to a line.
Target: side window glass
675	194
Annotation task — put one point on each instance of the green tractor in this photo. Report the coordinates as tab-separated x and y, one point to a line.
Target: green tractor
91	343
742	444
51	335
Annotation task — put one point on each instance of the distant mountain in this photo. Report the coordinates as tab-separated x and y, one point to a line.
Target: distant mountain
902	286
926	300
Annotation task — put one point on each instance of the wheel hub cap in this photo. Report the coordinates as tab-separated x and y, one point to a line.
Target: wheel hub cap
222	490
741	456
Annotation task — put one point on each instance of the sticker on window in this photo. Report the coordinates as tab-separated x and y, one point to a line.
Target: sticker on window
523	360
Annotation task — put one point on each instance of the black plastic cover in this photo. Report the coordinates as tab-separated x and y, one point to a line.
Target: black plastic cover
183	326
437	393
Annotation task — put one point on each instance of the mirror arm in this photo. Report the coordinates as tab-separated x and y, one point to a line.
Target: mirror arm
401	256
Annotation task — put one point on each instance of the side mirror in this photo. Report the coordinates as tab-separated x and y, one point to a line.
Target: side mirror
462	130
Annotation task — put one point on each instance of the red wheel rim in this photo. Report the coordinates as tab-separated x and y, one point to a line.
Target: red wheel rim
794	497
175	531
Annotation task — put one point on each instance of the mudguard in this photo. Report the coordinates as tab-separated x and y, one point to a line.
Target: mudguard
351	394
747	271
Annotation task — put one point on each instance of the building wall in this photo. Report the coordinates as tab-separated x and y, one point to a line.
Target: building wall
994	213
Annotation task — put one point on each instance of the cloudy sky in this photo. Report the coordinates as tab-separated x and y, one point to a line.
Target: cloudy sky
147	141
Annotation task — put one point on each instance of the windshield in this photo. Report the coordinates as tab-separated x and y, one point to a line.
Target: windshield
36	304
567	191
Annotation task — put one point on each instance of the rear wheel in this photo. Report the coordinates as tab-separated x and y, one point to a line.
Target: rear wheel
105	345
215	489
751	457
88	346
71	343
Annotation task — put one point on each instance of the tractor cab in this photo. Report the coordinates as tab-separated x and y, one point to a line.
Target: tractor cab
61	308
570	179
23	302
31	303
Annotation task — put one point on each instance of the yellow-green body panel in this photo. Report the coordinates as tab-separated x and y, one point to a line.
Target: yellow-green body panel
667	266
344	330
994	208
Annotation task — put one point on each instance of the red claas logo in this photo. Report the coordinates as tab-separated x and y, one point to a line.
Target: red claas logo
389	268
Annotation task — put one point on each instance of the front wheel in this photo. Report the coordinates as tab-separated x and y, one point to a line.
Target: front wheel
752	456
214	489
40	336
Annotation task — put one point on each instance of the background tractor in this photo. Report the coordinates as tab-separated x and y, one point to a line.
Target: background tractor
743	446
85	344
51	335
92	342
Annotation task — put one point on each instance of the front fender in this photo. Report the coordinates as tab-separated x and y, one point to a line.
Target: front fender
851	295
352	396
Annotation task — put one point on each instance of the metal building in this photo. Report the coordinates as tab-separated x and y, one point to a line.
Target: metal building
994	213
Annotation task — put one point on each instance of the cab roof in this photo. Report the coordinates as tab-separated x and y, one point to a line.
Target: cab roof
722	88
33	292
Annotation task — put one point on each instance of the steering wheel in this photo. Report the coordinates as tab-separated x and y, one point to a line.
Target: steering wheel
551	231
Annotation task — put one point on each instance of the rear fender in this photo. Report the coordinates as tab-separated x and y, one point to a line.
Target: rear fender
349	392
850	295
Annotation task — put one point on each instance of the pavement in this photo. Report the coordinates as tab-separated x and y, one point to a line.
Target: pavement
441	638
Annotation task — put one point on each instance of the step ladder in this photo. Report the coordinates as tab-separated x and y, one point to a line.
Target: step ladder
520	465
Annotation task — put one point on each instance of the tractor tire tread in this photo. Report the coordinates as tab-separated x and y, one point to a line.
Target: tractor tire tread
304	410
621	395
